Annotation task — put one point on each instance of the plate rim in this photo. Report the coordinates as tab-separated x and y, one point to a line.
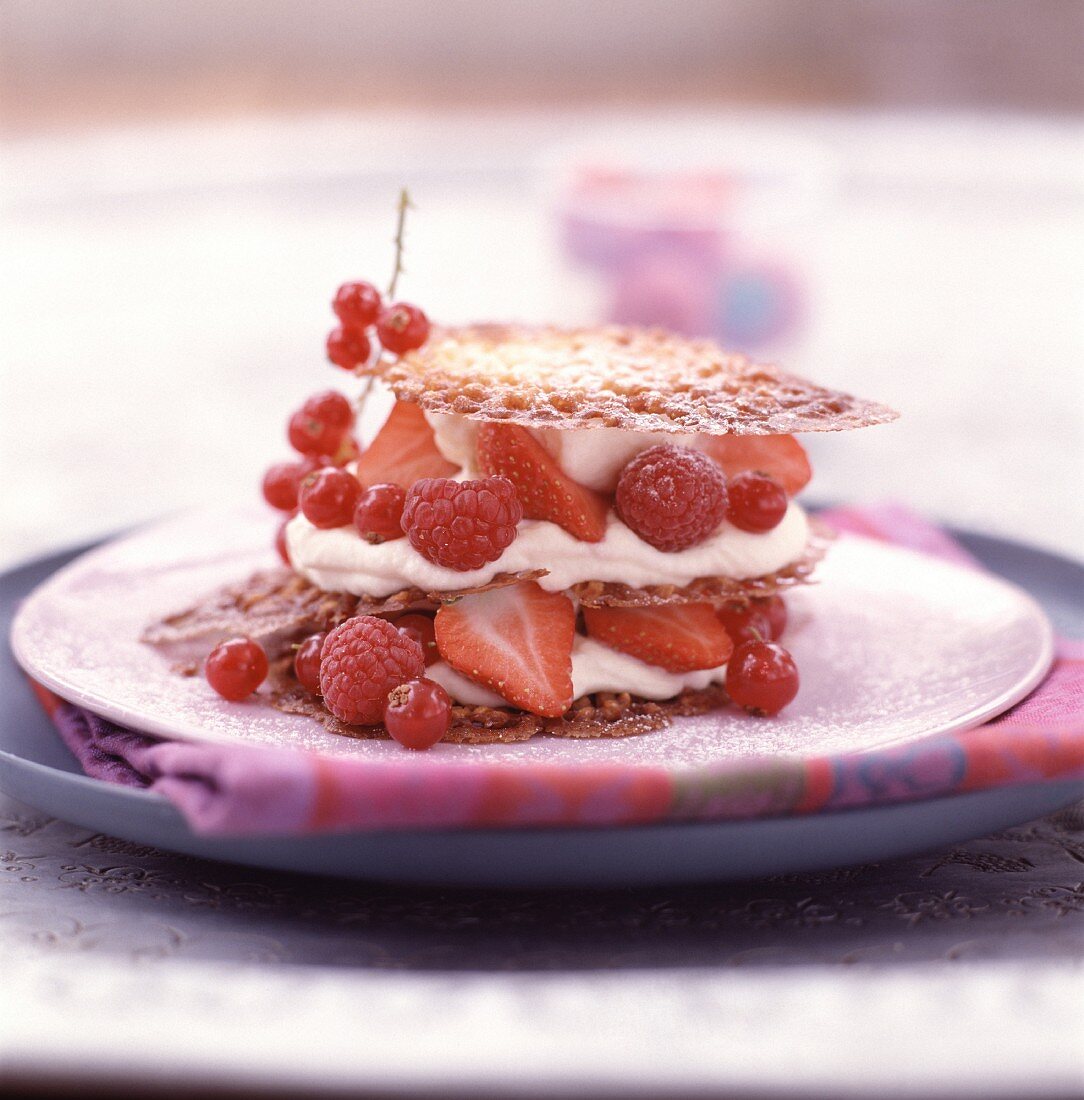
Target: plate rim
593	856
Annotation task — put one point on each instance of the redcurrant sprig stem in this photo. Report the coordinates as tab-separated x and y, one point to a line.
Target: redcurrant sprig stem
400	227
405	204
400	240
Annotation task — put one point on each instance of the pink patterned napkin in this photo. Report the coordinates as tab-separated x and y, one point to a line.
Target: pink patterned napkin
254	791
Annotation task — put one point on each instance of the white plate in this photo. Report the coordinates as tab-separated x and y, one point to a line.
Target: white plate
892	646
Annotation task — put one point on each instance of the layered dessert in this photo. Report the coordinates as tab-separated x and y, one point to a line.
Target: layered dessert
577	533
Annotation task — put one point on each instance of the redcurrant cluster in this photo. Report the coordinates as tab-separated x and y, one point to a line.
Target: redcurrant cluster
321	432
761	675
399	327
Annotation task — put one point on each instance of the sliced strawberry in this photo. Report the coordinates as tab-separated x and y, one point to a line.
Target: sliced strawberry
517	641
544	489
781	457
677	637
403	451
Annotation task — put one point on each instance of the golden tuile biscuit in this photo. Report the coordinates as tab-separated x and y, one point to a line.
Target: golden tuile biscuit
605	714
636	379
716	590
281	602
277	601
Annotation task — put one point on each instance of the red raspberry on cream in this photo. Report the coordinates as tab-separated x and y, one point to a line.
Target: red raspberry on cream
672	497
461	525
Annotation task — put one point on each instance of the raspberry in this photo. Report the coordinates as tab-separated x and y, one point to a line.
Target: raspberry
672	497
461	525
363	660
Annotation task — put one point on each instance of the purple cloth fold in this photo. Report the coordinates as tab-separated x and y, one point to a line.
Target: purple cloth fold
218	789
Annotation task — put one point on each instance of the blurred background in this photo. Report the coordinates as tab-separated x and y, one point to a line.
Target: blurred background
887	196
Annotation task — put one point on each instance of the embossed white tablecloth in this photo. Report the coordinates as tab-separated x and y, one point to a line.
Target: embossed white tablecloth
955	973
649	1034
162	280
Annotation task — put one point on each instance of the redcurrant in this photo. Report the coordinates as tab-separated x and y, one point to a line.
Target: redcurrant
332	408
348	349
357	305
422	629
745	622
307	662
755	502
312	436
761	677
280	539
402	327
280	485
379	513
776	611
418	713
235	669
328	497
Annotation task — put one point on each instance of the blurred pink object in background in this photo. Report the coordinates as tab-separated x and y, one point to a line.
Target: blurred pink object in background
674	249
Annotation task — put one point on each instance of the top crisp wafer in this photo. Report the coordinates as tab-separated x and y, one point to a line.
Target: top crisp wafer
636	379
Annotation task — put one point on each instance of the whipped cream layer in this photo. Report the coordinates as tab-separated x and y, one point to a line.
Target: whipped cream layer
340	560
595	667
591	456
595	457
